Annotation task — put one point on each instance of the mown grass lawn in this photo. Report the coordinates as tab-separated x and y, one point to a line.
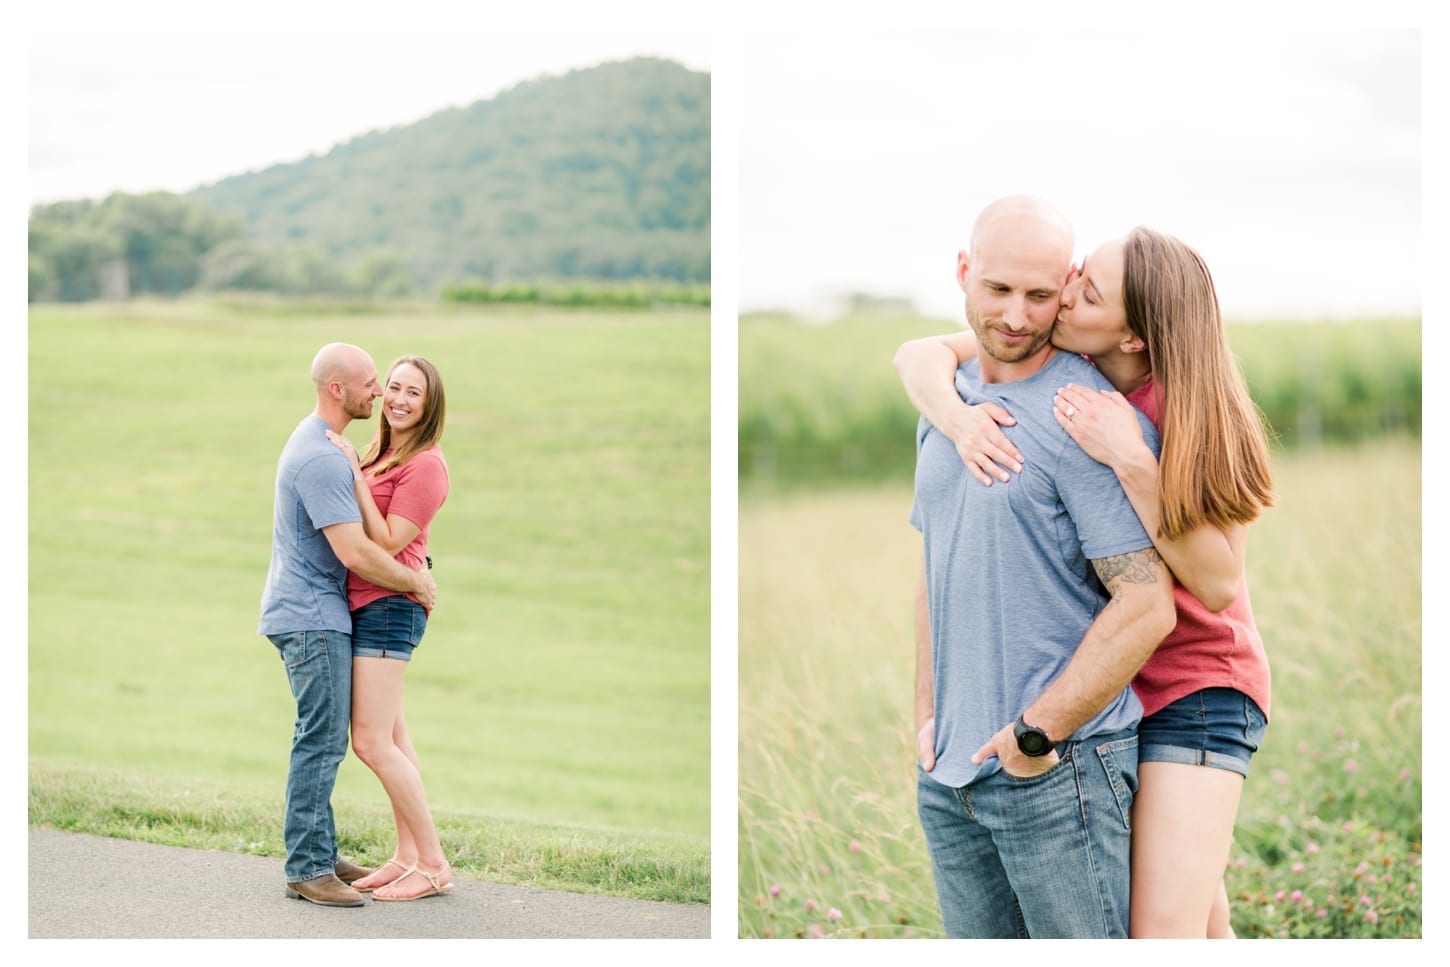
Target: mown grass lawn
564	678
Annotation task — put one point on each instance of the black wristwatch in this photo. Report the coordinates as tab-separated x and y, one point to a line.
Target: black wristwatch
1030	739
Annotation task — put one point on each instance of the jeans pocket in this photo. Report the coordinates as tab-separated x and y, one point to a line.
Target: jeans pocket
291	648
1256	724
1062	760
1119	760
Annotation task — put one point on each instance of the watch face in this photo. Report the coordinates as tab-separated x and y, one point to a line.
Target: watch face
1032	743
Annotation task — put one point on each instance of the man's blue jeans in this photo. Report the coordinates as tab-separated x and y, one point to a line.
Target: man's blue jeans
1045	857
319	668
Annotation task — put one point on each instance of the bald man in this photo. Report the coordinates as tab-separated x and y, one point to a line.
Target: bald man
317	537
1036	603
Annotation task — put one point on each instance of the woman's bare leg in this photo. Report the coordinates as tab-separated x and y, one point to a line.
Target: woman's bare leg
1183	820
376	721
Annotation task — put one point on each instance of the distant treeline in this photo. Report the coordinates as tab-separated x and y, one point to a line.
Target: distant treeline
821	403
632	295
163	244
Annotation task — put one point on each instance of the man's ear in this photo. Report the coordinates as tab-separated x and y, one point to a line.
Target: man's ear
963	263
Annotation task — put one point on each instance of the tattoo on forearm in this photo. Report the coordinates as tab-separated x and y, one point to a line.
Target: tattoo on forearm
1138	567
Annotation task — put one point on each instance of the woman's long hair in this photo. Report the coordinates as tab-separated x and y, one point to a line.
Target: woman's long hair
430	424
1214	466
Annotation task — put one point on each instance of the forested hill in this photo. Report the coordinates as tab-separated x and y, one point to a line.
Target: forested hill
599	173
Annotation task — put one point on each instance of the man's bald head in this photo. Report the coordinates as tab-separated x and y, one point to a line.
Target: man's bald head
338	361
1024	219
346	381
1021	252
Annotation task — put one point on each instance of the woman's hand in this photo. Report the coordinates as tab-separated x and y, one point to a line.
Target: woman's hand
348	450
982	445
1102	422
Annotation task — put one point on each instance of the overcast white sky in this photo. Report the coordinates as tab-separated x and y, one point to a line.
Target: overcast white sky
1290	160
179	107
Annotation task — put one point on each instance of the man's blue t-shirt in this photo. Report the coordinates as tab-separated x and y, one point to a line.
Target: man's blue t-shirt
306	583
1010	584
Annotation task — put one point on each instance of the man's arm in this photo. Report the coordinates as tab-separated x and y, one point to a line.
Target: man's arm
925	701
369	561
1138	616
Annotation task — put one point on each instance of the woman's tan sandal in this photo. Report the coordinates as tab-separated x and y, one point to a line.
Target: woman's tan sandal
369	889
436	889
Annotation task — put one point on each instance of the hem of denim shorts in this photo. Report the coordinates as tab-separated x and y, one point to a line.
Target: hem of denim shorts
1193	757
381	653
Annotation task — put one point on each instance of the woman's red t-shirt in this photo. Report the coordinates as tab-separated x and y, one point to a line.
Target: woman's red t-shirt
1205	649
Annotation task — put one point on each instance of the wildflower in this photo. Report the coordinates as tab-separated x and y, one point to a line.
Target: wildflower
1360	869
1297	868
833	914
1280	776
1350	765
1312	848
1321	912
1279	897
856	846
1339	731
816	932
775	889
811	816
1348	827
1297	895
1364	901
1404	774
810	905
884	897
1371	916
825	870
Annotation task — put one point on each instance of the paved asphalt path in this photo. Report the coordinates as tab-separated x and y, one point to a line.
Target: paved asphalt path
94	887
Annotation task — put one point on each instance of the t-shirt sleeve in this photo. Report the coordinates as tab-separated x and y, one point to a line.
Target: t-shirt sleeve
1107	525
923	428
422	488
324	485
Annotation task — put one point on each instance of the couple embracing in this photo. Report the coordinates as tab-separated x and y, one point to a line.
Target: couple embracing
1090	683
347	599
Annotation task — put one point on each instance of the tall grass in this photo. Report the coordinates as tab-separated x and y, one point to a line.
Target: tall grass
564	677
829	840
820	403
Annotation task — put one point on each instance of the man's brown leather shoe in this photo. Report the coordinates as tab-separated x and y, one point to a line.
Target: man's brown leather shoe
327	891
350	872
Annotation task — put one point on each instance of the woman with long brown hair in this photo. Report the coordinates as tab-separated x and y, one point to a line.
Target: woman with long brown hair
400	483
1144	310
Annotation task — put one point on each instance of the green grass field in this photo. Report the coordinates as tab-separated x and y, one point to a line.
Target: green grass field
563	684
1328	842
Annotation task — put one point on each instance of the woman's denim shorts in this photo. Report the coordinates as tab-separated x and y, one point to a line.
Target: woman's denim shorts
1217	727
389	627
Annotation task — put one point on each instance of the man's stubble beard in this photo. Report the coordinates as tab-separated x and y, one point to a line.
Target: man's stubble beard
357	407
991	344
